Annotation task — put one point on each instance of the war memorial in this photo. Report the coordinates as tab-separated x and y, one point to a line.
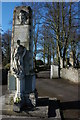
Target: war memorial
21	57
22	98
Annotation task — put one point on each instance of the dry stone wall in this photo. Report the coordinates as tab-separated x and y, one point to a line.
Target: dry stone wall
71	74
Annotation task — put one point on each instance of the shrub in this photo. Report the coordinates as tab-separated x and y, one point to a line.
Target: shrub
7	66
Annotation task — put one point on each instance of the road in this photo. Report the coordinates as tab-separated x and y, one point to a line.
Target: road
60	88
64	90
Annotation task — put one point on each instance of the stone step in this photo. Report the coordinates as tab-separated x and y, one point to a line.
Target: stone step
37	112
5	117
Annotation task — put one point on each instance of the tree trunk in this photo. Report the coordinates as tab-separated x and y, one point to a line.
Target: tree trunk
48	55
64	57
35	57
53	55
74	59
44	54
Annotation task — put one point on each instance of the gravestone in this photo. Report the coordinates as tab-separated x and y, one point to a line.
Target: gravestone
21	75
54	71
71	59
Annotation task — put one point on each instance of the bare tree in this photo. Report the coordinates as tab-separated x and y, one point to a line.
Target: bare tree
36	23
60	23
6	44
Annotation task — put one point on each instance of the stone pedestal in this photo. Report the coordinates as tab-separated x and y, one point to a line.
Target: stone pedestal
46	108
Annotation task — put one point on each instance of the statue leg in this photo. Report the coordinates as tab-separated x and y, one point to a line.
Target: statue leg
17	95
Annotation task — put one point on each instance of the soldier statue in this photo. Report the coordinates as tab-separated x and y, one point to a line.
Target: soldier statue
19	58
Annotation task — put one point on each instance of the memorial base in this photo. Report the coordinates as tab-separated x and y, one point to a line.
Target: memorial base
17	107
22	90
27	101
45	108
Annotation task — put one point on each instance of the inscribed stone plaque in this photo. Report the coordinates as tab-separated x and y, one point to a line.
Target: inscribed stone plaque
21	32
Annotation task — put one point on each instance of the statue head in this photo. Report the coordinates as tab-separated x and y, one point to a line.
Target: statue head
18	42
23	16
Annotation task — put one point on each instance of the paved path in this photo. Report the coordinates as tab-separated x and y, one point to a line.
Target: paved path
62	89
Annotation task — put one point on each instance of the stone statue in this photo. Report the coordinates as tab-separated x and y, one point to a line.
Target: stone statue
23	17
21	69
19	59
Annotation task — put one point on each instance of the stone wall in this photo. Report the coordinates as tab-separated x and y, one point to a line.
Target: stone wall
71	74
